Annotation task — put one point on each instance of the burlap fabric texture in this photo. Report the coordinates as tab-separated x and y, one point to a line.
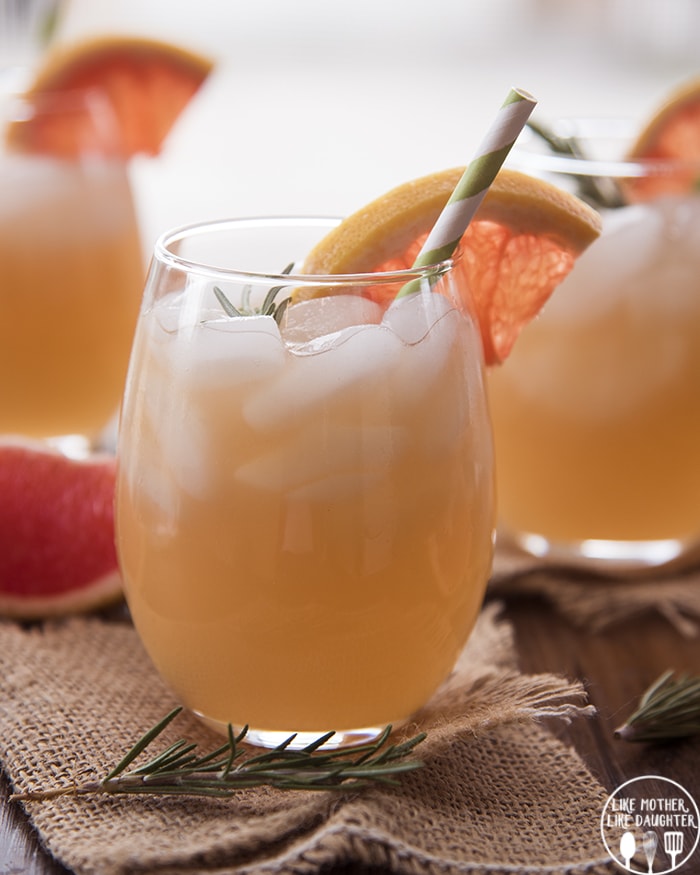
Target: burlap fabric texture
594	597
497	794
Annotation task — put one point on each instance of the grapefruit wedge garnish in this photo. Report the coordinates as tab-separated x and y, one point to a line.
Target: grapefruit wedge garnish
522	242
672	134
57	552
147	83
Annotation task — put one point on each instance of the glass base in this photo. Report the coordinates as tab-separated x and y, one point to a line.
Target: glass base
274	738
616	555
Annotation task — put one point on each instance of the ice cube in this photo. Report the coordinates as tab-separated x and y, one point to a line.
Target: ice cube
430	327
310	319
180	312
411	317
227	351
329	371
158	489
188	361
186	453
172	441
180	438
317	453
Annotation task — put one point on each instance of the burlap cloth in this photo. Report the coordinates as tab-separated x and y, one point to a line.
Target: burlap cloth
498	793
593	597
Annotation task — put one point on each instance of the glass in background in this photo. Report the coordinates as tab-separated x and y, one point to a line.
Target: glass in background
71	269
597	411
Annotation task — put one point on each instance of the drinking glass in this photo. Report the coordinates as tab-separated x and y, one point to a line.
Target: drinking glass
305	508
71	268
596	414
25	29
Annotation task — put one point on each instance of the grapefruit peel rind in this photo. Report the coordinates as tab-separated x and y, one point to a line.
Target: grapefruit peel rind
147	84
669	144
57	550
388	225
674	130
102	593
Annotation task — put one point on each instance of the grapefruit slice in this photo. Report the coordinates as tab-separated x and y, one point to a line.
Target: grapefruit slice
523	241
148	84
57	552
672	134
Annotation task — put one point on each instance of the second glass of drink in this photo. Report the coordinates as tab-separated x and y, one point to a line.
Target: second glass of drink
597	412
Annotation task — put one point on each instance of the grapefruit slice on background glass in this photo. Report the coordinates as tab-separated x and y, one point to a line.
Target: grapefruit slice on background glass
671	134
148	84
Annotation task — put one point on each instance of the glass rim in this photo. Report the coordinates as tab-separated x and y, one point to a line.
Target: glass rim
620	168
594	129
165	255
26	104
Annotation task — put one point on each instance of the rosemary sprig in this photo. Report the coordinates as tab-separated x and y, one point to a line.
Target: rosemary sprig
669	709
599	192
179	770
269	306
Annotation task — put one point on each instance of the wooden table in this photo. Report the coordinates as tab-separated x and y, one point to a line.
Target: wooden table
616	667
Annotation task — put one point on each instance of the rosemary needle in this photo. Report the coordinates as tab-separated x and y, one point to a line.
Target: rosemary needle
669	709
597	191
179	770
268	307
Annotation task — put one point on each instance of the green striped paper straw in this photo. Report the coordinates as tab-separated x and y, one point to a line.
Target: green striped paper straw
476	179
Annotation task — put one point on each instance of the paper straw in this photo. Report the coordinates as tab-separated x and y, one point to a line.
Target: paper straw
476	179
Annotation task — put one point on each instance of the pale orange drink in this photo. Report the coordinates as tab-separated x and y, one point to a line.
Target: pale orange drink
71	274
305	510
597	411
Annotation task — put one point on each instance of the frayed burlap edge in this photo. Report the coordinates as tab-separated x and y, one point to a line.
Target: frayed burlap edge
593	598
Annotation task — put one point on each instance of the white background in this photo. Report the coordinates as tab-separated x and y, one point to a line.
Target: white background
317	106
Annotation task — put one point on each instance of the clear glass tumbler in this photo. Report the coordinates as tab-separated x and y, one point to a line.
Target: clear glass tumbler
305	503
596	413
71	268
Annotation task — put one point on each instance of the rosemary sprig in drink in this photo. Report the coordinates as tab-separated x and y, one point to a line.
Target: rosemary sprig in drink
269	306
669	709
179	770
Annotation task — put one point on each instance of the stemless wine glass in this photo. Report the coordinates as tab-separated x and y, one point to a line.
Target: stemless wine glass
71	268
304	503
596	414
